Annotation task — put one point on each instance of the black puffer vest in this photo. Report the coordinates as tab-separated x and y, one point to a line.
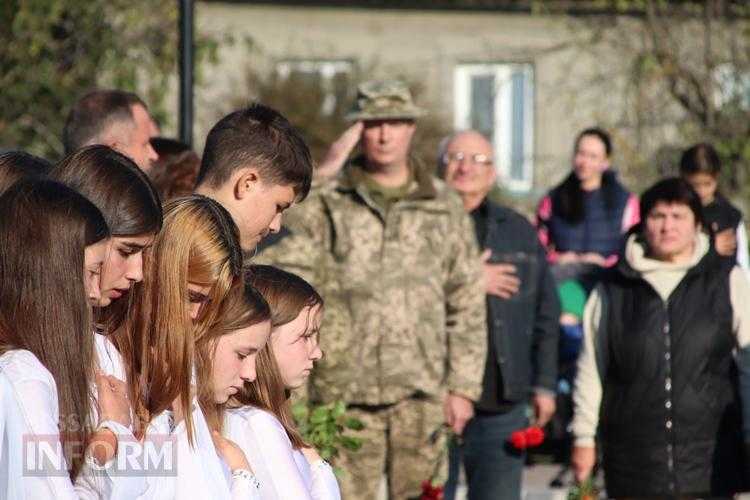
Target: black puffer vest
670	421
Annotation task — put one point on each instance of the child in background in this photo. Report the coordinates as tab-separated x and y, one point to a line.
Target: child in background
700	167
572	300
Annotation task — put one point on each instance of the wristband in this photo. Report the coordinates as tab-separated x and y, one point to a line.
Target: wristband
246	475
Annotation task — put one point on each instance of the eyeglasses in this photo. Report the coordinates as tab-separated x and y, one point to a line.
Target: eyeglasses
474	159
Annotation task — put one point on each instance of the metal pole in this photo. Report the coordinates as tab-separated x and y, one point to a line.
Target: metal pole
186	71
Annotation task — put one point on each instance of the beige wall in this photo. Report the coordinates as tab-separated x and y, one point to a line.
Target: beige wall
569	91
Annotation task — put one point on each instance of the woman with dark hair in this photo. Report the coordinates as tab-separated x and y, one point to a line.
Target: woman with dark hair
16	165
132	209
49	277
700	167
657	377
262	423
581	222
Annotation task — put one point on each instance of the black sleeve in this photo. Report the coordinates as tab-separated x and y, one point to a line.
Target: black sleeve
546	330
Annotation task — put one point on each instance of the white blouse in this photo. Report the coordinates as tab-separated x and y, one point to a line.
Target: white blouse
284	472
108	357
32	464
124	478
201	473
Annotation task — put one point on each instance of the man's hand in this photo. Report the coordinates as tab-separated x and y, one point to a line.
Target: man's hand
725	241
458	411
500	279
582	460
544	408
339	151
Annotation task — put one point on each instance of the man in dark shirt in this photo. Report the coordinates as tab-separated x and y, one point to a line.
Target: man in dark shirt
522	328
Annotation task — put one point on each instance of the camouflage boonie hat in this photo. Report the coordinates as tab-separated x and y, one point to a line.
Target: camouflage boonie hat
382	100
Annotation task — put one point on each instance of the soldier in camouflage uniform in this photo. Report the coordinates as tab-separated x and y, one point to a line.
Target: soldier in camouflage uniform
394	255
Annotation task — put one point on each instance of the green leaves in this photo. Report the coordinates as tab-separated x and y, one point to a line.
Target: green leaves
587	490
325	426
53	51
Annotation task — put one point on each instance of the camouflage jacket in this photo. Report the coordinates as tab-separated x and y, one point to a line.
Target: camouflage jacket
404	299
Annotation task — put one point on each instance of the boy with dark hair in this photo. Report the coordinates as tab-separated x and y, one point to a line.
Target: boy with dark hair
256	165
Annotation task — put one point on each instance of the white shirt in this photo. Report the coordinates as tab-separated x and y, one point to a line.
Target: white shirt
108	357
743	259
200	473
283	472
125	476
29	417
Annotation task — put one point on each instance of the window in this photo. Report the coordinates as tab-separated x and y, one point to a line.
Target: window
331	76
498	100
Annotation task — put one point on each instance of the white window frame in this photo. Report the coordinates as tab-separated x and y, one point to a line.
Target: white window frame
327	70
502	128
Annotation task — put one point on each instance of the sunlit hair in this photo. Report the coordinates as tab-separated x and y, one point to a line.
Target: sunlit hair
96	114
242	307
198	244
43	302
17	165
288	295
124	195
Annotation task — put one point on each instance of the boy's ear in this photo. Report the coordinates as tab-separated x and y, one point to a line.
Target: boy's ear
245	182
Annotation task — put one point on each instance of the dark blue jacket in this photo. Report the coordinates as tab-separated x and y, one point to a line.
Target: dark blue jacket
523	330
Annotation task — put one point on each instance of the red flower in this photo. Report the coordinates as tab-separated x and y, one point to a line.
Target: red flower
430	492
534	436
527	438
518	439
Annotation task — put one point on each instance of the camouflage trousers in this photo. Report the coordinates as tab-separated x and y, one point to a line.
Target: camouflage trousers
405	441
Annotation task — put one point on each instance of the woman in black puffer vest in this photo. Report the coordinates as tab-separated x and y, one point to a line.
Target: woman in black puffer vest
658	377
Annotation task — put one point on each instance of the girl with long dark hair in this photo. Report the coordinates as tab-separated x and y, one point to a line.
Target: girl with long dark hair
53	243
131	208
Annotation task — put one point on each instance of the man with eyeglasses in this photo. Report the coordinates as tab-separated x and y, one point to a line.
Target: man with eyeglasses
522	328
393	254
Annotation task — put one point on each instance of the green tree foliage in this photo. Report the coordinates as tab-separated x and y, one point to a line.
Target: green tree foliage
52	51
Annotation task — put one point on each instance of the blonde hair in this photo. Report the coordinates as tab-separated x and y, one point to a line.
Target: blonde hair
287	295
198	244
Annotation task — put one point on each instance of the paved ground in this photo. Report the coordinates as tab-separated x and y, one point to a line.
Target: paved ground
536	485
